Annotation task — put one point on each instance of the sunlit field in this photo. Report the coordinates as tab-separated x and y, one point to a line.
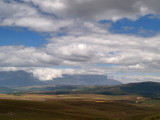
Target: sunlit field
74	110
78	107
43	97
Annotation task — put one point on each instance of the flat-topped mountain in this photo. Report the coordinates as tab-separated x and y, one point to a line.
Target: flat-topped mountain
22	78
18	78
85	80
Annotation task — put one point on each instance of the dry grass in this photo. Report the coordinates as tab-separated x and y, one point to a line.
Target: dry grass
40	97
74	110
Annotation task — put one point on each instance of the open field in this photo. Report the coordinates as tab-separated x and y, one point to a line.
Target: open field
43	97
74	110
78	107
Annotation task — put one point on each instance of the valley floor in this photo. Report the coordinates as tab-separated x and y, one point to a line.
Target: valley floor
43	97
77	107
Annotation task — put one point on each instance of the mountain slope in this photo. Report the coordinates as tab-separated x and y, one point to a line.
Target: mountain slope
18	78
146	89
150	89
141	87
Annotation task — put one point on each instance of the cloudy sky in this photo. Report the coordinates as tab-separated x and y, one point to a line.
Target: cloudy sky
49	38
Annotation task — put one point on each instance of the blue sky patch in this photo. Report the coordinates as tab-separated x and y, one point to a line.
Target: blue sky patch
21	36
146	26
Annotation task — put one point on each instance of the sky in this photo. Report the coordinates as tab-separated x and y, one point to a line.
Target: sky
49	38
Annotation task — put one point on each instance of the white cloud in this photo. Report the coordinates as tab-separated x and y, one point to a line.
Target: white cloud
46	73
20	56
101	9
89	49
24	15
137	78
85	41
52	15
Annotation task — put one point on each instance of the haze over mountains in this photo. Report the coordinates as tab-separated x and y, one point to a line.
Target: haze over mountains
85	80
22	78
11	81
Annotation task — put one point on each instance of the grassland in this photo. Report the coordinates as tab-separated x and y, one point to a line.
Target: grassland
77	107
73	110
43	97
81	103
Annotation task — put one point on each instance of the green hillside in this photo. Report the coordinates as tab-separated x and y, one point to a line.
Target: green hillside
146	89
6	90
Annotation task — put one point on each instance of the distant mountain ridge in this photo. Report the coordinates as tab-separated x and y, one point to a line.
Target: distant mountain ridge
22	78
77	79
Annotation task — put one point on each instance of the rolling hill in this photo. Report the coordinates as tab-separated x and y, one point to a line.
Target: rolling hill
5	90
146	89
